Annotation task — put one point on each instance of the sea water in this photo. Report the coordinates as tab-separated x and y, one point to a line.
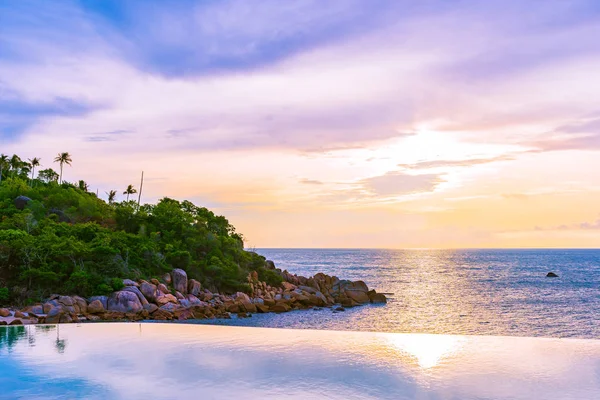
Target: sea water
476	292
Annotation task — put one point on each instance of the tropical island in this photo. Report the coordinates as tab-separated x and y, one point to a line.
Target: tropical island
67	255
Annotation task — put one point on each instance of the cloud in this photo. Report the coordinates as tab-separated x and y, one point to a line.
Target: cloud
590	225
455	163
310	182
595	225
581	134
109	136
398	184
516	196
18	114
191	39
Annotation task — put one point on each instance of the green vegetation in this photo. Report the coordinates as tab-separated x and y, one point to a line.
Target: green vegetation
66	240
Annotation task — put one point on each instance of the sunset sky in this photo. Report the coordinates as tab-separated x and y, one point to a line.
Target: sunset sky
339	123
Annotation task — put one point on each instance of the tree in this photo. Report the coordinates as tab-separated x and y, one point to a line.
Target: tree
34	162
83	185
111	196
48	175
63	158
130	190
3	162
15	164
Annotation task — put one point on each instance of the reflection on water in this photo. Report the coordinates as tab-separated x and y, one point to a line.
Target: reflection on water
164	361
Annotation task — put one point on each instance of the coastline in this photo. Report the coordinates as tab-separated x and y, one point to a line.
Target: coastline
174	297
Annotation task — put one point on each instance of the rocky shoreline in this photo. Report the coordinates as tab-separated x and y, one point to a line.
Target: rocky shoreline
175	297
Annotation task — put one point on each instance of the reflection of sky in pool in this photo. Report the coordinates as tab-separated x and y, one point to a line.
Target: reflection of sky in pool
164	361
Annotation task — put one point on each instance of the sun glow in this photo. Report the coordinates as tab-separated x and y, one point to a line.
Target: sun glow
428	350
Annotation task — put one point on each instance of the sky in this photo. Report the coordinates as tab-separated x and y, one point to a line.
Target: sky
346	123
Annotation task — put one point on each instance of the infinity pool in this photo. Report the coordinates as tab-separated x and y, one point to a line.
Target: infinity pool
167	361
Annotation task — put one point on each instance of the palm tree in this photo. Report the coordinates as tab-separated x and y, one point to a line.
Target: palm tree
35	162
3	162
63	158
15	163
111	196
130	190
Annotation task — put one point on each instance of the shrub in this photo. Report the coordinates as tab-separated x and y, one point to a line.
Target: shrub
3	295
103	290
271	277
116	284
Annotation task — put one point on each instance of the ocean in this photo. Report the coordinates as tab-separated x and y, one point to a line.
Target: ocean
473	292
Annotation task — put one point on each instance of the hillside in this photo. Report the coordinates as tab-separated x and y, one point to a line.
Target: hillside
57	237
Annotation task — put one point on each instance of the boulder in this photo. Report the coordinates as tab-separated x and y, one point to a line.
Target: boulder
4	312
269	264
243	297
258	300
21	202
308	289
179	296
53	316
163	288
129	282
358	296
250	307
166	278
66	301
551	275
149	291
281	307
377	298
233	308
194	287
180	280
185	303
125	302
348	302
80	305
288	286
170	307
150	307
19	314
161	315
269	302
96	307
37	309
183	314
50	304
261	308
315	300
102	299
166	298
65	319
137	292
208	296
192	299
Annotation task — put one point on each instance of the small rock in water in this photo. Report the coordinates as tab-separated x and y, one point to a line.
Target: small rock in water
339	309
551	275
